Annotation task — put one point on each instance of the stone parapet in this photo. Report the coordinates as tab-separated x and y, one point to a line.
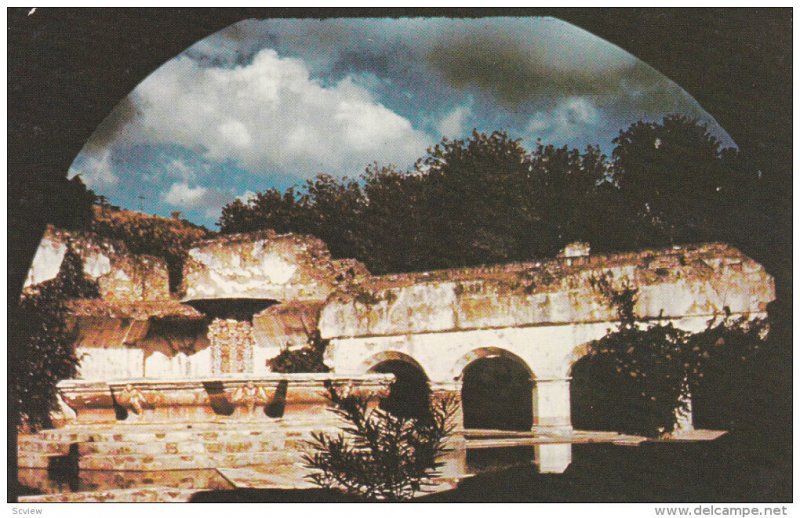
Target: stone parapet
296	398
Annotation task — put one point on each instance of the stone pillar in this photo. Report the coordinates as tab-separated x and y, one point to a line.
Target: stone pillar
683	418
450	389
551	406
552	458
454	463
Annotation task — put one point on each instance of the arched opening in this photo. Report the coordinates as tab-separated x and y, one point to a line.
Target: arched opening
409	395
601	399
497	393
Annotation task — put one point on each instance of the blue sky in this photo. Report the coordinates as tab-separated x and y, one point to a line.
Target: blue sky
270	103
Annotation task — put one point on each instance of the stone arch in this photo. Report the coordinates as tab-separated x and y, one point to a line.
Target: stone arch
457	370
410	393
496	390
384	356
578	353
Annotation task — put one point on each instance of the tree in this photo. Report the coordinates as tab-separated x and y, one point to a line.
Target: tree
648	362
484	199
679	183
378	455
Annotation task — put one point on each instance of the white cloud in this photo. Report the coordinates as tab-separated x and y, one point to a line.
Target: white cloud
96	170
453	125
569	118
179	169
210	201
271	116
246	196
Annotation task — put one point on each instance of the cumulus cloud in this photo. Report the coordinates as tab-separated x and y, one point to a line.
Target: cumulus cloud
569	118
454	123
179	169
271	116
209	201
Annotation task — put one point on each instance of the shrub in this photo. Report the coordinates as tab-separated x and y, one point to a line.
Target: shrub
45	354
652	369
305	359
379	456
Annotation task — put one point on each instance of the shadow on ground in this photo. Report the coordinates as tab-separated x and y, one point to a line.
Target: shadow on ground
735	468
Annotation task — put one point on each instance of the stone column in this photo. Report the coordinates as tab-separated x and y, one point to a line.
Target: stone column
454	463
551	406
450	389
683	418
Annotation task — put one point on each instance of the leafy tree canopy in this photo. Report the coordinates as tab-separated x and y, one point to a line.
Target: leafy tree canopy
487	199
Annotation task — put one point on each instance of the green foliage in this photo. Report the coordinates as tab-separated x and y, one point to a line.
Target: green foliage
731	361
650	369
305	359
678	183
379	456
47	355
480	200
151	235
648	359
486	199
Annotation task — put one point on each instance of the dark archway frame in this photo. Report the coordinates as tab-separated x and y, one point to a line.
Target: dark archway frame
68	68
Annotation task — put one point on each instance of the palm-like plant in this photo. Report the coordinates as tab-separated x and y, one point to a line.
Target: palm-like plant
378	455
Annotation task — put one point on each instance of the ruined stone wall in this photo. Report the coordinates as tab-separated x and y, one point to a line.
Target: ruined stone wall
112	348
121	276
265	265
673	283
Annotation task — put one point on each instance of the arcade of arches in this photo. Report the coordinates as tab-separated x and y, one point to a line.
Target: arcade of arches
503	339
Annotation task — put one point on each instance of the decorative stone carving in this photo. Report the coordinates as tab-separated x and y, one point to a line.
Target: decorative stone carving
132	398
301	396
250	395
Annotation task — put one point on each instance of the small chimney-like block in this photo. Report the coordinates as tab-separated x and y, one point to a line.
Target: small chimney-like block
576	249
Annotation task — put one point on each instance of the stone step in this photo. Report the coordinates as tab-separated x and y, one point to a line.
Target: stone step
149	494
46	482
36	460
138	462
138	435
235	445
36	444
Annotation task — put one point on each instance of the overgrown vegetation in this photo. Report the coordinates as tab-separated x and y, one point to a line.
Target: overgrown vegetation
379	456
48	355
151	235
641	373
306	359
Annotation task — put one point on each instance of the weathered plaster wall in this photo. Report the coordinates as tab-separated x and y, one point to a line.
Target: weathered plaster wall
542	315
121	276
283	326
120	348
265	265
673	283
547	351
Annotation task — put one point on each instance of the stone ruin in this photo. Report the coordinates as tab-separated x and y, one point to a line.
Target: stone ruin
151	360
